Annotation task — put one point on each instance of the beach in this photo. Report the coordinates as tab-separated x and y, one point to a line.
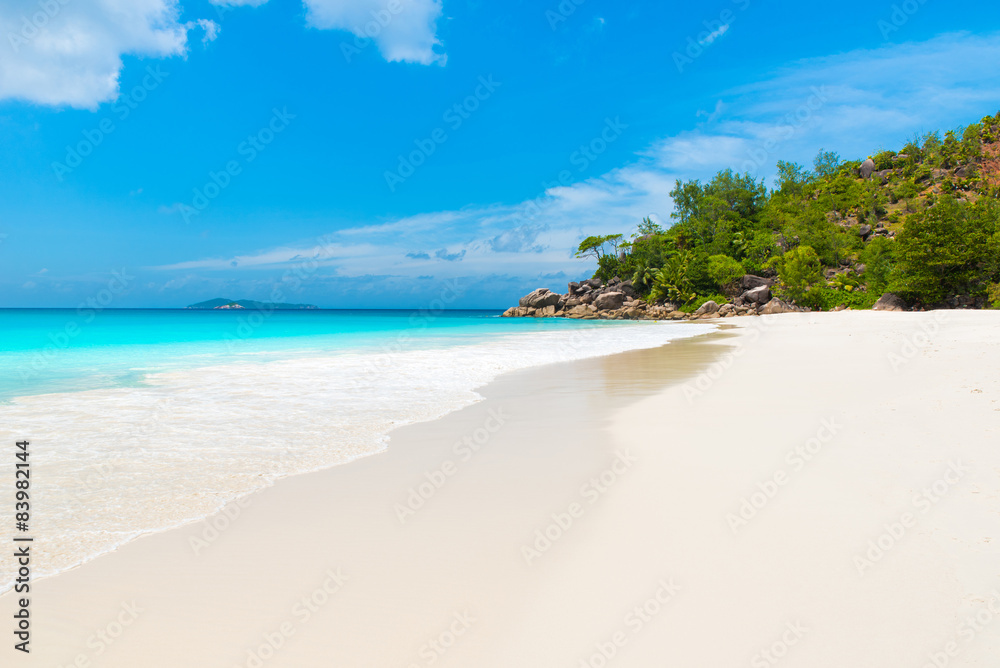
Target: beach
809	489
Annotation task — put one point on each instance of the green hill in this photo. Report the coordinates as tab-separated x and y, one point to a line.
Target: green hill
922	223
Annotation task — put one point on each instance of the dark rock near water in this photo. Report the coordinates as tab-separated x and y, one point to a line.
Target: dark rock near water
609	301
889	302
707	308
540	298
761	295
776	306
749	282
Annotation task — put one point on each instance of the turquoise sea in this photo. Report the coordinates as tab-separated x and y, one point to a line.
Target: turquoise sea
143	420
64	350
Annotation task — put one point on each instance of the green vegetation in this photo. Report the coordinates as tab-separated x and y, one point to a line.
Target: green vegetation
925	226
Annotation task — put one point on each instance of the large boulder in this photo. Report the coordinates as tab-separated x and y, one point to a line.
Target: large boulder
749	282
628	289
540	298
889	302
865	231
776	306
867	169
609	301
761	295
707	308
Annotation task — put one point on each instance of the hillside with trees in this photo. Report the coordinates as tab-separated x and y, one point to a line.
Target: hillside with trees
922	223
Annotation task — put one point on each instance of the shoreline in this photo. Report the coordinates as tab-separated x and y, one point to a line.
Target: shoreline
137	560
99	477
653	532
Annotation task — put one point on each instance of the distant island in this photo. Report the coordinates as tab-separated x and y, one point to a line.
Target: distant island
221	304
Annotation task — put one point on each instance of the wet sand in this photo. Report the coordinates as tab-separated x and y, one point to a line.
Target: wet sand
714	502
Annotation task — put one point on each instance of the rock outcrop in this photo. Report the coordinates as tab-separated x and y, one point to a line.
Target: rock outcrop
889	302
777	306
867	169
761	295
609	301
619	300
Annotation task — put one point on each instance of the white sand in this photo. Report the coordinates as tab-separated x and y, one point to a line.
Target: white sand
452	583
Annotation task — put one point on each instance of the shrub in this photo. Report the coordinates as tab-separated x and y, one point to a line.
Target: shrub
700	301
993	294
799	270
672	283
725	271
944	251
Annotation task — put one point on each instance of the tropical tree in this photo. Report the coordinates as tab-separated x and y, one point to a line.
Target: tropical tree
672	282
597	247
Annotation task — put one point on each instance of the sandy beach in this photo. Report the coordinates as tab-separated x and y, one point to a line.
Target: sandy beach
818	490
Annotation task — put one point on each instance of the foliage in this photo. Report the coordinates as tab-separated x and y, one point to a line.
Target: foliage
933	209
993	295
947	250
826	163
700	301
672	283
799	270
597	247
643	278
647	226
724	270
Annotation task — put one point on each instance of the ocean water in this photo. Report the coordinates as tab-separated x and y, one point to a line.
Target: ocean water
143	420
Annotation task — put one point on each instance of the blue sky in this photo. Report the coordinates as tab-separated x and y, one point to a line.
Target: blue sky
384	153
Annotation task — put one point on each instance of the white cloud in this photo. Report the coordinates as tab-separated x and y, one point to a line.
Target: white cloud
238	3
851	103
68	52
714	35
403	30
